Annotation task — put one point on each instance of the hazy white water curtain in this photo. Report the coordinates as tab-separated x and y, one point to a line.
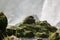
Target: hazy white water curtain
17	10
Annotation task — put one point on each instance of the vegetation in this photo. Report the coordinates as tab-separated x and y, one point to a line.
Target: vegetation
3	25
29	28
29	20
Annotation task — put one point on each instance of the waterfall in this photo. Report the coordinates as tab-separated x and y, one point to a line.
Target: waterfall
17	10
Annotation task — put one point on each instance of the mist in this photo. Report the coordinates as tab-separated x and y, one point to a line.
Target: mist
17	10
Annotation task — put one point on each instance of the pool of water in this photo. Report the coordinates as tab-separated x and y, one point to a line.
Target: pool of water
33	38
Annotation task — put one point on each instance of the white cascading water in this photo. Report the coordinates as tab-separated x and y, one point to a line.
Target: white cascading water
17	10
51	11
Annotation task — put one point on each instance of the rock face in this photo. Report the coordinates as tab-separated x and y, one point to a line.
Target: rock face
13	38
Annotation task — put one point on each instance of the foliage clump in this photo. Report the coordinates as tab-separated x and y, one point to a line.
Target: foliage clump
30	28
3	25
29	20
3	21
